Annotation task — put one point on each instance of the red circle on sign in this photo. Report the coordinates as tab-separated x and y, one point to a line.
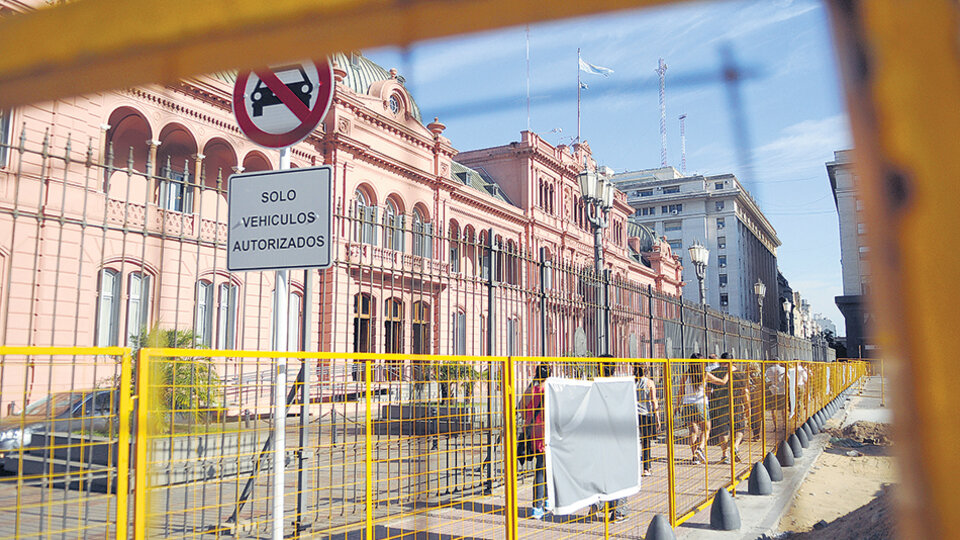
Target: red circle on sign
307	125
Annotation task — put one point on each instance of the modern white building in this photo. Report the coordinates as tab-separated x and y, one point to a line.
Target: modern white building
718	212
854	252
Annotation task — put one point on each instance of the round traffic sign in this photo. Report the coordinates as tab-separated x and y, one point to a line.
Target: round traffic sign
279	106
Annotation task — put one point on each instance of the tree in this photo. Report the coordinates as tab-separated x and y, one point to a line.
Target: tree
837	346
188	387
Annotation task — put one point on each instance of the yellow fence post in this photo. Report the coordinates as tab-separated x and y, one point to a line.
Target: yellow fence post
140	486
123	450
368	447
671	453
507	393
883	384
733	431
763	409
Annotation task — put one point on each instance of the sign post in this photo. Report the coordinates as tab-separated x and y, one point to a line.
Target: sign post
268	227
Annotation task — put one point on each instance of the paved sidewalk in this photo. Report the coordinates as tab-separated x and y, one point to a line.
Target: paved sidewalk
761	514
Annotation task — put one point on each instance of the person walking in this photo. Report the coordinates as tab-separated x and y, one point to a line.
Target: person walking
741	412
648	415
693	406
776	390
532	409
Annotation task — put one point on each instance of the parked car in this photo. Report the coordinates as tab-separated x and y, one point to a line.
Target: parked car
77	411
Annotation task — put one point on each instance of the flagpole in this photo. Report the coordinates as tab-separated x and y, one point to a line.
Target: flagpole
528	77
578	95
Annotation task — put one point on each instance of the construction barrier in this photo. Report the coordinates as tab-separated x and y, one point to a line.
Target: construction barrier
383	446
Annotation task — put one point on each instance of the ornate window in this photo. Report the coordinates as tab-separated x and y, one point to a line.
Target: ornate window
108	308
393	226
365	218
226	316
422	235
454	248
138	305
203	319
458	333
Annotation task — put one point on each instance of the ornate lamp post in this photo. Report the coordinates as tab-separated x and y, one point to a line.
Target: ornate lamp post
700	255
788	311
761	290
597	194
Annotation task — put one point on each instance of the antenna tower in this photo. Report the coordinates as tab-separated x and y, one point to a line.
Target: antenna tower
683	146
662	71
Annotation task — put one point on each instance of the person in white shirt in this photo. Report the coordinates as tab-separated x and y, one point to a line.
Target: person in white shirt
776	398
648	415
693	406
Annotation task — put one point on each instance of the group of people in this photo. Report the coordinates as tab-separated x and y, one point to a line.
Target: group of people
705	391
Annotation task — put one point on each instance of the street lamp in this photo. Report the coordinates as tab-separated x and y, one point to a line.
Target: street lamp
699	254
788	311
761	291
597	194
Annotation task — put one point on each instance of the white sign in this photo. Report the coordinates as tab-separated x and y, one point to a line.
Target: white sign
280	219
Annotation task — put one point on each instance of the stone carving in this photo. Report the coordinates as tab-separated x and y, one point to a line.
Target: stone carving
343	126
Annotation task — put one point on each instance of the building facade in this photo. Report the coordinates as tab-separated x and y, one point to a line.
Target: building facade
718	212
113	222
854	253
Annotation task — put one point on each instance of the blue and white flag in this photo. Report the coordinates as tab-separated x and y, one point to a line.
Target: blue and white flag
587	67
584	86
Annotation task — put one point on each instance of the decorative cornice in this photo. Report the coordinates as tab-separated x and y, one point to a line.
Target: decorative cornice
141	93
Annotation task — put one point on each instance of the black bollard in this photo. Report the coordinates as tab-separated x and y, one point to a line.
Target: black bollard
802	437
759	481
785	454
772	465
659	529
724	514
795	445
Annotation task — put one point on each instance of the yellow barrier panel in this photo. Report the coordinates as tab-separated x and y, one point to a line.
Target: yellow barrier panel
393	444
64	438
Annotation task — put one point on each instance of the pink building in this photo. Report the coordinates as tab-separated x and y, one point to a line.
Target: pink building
113	220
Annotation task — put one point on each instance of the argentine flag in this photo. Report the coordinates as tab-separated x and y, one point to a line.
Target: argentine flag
587	67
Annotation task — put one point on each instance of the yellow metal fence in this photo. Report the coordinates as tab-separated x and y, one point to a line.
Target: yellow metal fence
179	443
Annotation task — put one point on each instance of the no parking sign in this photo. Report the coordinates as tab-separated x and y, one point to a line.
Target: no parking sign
279	106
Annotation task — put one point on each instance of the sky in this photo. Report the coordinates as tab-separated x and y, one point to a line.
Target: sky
791	105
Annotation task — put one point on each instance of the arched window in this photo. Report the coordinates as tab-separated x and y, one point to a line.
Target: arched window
227	316
454	247
203	323
393	335
365	218
513	336
421	328
422	235
458	333
483	244
138	306
294	321
393	226
108	308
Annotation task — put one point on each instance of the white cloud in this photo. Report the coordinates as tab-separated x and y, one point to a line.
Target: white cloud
803	146
761	15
